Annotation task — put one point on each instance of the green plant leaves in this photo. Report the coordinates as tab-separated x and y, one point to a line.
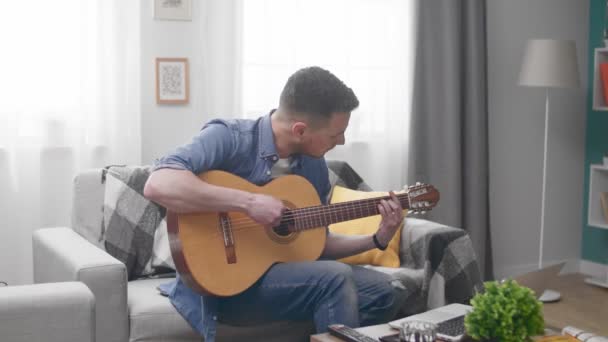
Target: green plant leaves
506	312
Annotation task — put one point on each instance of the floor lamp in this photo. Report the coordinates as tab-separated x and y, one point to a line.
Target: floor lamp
548	63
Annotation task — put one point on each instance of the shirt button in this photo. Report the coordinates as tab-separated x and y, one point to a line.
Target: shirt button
268	172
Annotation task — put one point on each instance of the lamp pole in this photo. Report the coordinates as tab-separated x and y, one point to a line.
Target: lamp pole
542	210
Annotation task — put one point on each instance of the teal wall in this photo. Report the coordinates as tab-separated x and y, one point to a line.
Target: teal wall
595	240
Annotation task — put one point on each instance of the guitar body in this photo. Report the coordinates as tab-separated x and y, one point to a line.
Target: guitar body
208	264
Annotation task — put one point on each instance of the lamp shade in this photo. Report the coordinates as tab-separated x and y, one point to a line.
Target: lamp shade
550	63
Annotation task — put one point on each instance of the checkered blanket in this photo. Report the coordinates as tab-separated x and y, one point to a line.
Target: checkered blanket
340	173
441	260
135	231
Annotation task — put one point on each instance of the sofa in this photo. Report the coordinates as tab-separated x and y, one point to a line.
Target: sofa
438	266
51	312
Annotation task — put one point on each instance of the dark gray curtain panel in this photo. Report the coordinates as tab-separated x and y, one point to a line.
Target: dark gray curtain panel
449	127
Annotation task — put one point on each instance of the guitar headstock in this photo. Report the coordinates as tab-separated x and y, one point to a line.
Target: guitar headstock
422	197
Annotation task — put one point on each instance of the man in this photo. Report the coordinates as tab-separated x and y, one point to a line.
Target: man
312	117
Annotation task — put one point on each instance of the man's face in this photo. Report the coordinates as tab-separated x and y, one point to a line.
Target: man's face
317	141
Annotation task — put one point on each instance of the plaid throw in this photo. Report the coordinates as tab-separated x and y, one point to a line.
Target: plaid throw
130	221
442	260
340	173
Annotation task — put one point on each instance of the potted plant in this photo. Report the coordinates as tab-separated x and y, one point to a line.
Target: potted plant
505	312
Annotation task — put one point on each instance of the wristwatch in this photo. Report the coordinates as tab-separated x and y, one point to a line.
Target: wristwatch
377	243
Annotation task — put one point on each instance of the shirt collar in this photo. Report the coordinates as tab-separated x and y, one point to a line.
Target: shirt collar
267	148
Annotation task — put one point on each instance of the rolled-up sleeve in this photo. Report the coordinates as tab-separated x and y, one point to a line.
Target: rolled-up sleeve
207	150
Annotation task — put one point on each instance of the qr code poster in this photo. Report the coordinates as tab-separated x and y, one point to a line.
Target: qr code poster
172	80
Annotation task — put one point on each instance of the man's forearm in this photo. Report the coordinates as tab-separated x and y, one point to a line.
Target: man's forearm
181	191
340	246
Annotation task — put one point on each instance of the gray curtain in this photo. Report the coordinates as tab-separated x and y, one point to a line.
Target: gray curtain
449	128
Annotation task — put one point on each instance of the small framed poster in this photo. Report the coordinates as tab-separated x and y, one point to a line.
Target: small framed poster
173	9
172	81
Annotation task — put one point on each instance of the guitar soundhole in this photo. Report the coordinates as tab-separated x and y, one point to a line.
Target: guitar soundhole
287	224
282	229
285	231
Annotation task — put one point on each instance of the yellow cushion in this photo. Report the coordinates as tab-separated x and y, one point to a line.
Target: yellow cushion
365	226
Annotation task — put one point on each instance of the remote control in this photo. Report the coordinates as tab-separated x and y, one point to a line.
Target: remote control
349	334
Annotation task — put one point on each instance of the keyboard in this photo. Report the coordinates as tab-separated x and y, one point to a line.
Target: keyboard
452	327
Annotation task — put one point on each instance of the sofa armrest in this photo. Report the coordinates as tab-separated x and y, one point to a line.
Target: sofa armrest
417	238
447	258
53	312
60	254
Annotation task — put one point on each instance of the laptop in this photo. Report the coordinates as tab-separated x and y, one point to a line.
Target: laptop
449	320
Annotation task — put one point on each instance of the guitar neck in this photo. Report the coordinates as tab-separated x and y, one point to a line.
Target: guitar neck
324	215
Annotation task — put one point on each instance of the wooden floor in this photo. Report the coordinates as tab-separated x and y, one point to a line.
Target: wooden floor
582	305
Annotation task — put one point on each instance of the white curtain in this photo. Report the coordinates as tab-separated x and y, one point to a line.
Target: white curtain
69	100
366	43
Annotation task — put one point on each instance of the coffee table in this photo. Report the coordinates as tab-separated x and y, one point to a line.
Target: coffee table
375	331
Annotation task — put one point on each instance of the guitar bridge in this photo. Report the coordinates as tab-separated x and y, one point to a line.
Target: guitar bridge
226	231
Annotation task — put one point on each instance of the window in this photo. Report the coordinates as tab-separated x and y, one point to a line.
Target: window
366	43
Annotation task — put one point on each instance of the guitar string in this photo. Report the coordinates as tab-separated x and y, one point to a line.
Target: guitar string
314	212
253	225
366	202
249	223
308	215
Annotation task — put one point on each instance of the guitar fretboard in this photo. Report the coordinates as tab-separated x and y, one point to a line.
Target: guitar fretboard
324	215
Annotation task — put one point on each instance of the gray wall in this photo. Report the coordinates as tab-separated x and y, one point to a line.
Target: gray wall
516	124
516	130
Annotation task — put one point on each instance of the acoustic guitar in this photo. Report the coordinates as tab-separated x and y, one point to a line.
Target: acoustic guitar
224	253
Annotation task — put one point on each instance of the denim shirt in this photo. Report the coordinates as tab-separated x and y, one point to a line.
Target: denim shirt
245	148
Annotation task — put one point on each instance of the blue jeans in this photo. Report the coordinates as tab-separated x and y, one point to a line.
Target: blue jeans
327	291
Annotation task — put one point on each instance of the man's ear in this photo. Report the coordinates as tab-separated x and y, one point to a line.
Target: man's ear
298	129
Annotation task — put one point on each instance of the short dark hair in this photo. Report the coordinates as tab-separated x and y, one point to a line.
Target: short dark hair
317	92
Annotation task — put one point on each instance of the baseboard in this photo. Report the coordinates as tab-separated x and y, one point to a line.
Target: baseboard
572	266
594	269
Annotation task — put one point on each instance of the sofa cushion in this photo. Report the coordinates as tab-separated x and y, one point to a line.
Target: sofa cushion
153	318
366	226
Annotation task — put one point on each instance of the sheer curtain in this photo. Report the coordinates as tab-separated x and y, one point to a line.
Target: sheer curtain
69	101
366	43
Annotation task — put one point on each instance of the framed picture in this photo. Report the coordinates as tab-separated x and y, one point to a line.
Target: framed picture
173	9
172	81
